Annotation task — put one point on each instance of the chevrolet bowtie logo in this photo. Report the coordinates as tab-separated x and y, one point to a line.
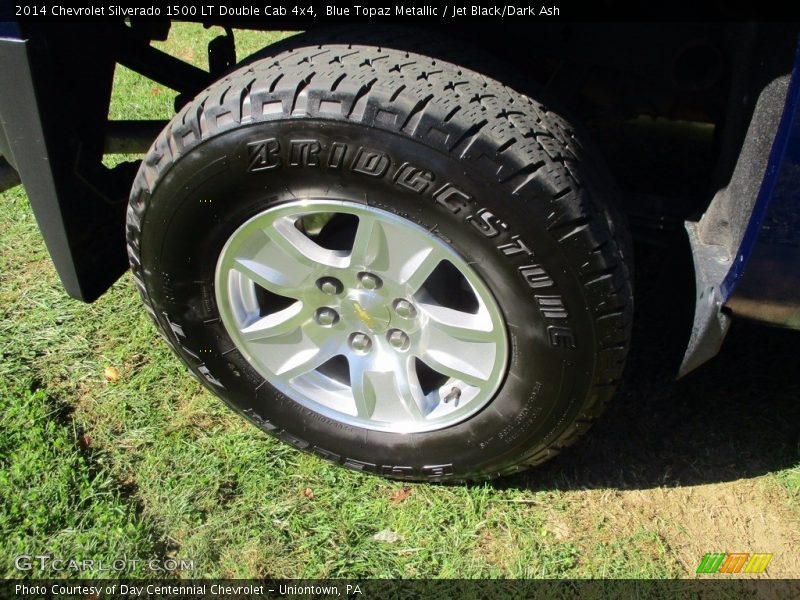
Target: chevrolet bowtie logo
363	315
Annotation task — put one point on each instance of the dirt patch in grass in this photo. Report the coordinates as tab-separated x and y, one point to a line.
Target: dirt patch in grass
740	516
675	469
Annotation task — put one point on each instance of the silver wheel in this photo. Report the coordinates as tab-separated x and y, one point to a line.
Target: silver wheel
361	315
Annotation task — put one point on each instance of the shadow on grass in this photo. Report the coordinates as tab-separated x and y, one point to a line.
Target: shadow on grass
737	416
64	500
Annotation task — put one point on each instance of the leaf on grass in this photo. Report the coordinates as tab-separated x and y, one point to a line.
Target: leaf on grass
111	374
399	495
388	536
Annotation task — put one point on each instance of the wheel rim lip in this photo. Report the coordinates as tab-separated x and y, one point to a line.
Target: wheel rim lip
300	394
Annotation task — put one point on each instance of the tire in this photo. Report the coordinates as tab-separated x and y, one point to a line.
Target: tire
439	160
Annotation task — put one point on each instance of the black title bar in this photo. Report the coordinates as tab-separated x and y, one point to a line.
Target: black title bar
303	14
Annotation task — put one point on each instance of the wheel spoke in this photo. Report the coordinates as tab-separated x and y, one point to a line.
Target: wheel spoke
304	363
278	323
294	354
281	259
363	389
459	324
299	247
389	396
469	361
390	252
419	267
277	282
365	243
408	393
452	366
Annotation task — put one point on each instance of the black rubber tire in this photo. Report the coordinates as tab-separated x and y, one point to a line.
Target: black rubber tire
495	173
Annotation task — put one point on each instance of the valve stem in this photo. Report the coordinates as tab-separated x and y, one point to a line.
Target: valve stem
453	395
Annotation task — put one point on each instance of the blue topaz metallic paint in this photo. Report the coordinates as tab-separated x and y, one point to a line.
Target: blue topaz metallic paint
763	282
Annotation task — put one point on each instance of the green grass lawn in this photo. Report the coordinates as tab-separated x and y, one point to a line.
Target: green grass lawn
152	465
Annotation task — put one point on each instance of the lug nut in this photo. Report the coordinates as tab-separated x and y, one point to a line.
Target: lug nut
404	308
360	342
329	285
369	281
326	317
398	339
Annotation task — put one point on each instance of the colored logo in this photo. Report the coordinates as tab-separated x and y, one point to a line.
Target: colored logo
739	562
363	315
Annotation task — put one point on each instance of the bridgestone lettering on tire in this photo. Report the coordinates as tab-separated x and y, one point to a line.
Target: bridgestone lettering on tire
392	261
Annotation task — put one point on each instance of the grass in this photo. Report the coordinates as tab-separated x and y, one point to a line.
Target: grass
56	500
152	465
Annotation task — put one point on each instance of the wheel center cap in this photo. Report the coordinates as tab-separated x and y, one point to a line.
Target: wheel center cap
371	310
363	315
